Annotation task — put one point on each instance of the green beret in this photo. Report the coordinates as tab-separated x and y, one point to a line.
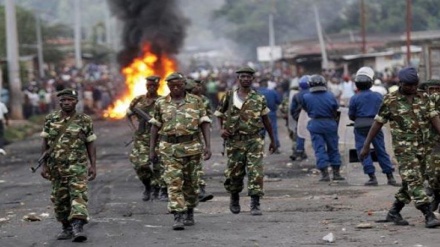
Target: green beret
190	84
429	83
247	70
174	76
68	92
153	78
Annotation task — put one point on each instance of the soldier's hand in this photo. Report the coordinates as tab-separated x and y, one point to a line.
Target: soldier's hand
207	154
45	173
92	173
364	153
225	133
272	147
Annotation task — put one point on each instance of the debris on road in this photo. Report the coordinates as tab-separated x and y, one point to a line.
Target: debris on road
31	217
329	238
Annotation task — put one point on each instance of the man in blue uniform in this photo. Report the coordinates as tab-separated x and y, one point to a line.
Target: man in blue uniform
295	110
362	109
321	106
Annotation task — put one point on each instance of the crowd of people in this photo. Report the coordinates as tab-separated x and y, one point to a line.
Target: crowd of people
173	138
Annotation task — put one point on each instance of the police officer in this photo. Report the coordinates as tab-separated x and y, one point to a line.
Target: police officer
177	121
410	114
295	109
149	176
362	109
321	106
69	138
242	114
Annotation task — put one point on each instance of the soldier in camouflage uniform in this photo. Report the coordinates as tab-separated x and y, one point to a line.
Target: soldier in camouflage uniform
432	87
410	114
149	176
69	138
196	87
243	113
177	121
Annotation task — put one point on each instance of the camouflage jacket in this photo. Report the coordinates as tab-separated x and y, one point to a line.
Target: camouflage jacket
409	122
71	146
147	105
207	104
435	100
180	119
245	120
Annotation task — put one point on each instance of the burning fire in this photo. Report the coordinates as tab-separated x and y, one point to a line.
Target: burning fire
135	74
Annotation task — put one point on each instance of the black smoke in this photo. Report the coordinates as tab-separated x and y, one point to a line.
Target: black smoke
158	22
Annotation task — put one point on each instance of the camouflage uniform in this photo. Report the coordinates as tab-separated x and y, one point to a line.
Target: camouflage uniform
410	127
433	159
180	148
141	145
68	166
201	173
245	147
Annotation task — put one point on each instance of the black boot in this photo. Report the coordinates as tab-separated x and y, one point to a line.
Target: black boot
430	220
372	181
394	214
203	196
189	217
66	233
178	224
234	204
293	156
301	155
147	192
255	205
163	194
391	180
78	232
336	175
156	191
325	177
435	200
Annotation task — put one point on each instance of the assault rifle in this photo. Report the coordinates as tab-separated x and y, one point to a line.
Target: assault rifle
41	161
143	120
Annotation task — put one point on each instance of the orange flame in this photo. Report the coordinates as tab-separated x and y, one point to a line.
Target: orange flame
135	74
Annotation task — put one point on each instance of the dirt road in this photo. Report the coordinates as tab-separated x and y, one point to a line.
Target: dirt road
297	210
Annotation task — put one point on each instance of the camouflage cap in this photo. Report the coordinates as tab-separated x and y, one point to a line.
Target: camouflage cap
174	76
68	92
429	83
247	70
153	78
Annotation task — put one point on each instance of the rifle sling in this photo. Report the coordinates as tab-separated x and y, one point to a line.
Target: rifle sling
62	130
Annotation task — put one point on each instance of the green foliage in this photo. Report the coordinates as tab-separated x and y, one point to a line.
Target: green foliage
21	131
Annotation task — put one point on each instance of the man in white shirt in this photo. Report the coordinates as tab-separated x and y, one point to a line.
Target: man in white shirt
377	87
3	120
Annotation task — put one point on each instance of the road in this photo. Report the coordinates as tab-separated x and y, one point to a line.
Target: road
297	209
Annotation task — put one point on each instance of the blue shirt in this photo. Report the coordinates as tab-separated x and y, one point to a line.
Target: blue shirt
364	104
273	99
321	107
296	104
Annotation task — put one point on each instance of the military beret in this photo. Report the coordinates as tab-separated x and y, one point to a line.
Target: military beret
408	75
68	92
198	81
429	83
247	70
153	78
190	84
174	76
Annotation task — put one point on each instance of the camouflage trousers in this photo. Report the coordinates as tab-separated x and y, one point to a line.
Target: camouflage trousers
200	172
182	180
69	191
245	156
139	158
433	168
412	165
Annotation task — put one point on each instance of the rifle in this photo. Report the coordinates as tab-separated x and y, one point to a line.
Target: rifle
144	118
41	161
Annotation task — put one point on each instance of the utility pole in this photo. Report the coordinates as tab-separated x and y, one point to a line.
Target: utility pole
13	66
39	46
78	60
362	15
271	34
324	64
408	31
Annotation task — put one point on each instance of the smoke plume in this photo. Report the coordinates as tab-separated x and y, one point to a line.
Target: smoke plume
160	23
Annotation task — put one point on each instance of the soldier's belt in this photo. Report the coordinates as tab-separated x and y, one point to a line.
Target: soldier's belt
243	137
178	139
